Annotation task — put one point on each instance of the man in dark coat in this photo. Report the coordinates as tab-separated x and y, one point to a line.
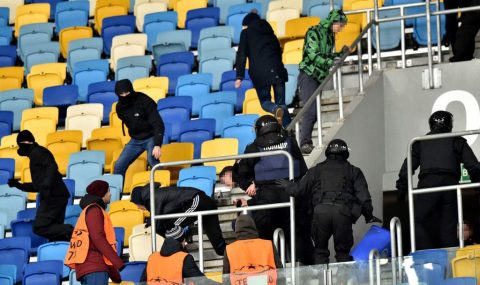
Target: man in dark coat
464	45
261	46
145	126
47	182
171	200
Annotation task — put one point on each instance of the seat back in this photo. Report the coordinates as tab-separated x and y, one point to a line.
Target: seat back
251	104
146	8
24	228
158	22
173	65
218	106
116	26
141	244
155	87
200	177
174	112
195	86
133	271
71	14
15	251
183	6
54	251
6	123
126	217
83	166
200	19
293	52
196	132
63	143
219	147
43	272
217	62
242	128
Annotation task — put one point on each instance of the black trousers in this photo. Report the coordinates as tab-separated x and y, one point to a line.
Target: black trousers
328	220
451	23
464	48
436	215
306	85
50	220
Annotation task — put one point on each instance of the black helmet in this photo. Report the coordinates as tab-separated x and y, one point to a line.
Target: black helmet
267	124
441	121
338	147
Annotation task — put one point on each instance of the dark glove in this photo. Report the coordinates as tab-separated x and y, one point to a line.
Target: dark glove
402	196
288	185
114	274
15	183
373	219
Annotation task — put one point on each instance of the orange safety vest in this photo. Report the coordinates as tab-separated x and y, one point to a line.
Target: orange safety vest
80	241
165	269
251	257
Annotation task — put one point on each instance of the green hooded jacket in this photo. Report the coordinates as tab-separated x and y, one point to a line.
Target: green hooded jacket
318	48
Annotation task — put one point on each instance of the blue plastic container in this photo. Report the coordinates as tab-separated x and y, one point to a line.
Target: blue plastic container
376	237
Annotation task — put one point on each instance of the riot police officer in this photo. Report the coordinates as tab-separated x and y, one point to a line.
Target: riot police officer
339	194
439	161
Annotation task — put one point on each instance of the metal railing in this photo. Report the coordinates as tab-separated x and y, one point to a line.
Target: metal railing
396	246
374	269
457	187
279	243
200	214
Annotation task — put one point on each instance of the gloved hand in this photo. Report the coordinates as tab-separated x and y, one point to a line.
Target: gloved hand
15	183
284	183
373	219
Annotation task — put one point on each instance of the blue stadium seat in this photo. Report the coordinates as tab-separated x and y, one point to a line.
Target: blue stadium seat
235	16
71	14
114	26
39	53
53	5
72	278
33	34
4	16
178	36
27	214
54	251
8	270
420	27
6	124
83	166
319	9
120	238
6	280
218	106
103	93
175	111
430	265
225	5
196	132
16	100
214	38
72	213
291	84
133	67
24	228
412	10
133	271
195	86
390	32
83	49
88	72
166	48
460	281
15	250
43	273
60	96
228	84
217	62
6	34
198	19
200	177
8	55
7	167
70	183
158	22
13	200
174	65
242	128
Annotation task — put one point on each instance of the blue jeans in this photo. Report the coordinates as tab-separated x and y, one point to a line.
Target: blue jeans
266	100
133	149
95	278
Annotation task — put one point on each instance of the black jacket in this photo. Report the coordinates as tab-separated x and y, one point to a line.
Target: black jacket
261	46
171	246
141	118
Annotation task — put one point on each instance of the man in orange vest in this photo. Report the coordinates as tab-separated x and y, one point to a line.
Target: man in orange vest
92	252
250	255
172	264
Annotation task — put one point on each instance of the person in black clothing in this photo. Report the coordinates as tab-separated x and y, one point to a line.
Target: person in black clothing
464	47
338	192
145	126
170	200
48	183
261	46
259	178
439	161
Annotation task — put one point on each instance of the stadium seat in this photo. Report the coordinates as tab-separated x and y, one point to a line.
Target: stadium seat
72	278
61	97
200	177
11	77
174	65
106	140
183	6
70	34
33	34
155	23
228	84
133	271
199	19
84	117
115	183
8	149
195	86
26	177
72	213
251	104
174	40
125	214
196	132
218	106
143	8
242	128
43	273
280	16
114	121
216	62
40	121
235	16
63	143
7	169
321	10
4	16
297	28
5	35
127	45
12	6
293	52
139	165
361	18
70	183
133	67
8	55
54	251
6	123
140	242
214	38
166	48
143	177
82	50
116	26
347	36
24	228
88	72
219	147
83	166
45	75
40	53
109	8
466	261
153	86
291	84
390	35
8	270
460	281
31	14
175	111
15	250
420	28
430	266
103	93
70	14
52	3
27	214
176	151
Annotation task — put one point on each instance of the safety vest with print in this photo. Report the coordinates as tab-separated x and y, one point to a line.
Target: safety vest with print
275	166
80	241
251	257
165	270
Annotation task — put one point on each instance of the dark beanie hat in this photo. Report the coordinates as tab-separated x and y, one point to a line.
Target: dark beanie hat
25	136
123	86
250	17
98	188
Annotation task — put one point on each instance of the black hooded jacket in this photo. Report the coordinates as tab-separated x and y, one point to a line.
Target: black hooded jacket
139	113
261	46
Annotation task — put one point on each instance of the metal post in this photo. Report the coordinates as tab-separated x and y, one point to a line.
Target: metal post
460	217
410	199
429	44
374	256
369	46
396	247
402	31
200	241
297	132
335	85
340	92
377	34
152	212
360	67
319	121
330	277
331	5
279	235
292	234
439	42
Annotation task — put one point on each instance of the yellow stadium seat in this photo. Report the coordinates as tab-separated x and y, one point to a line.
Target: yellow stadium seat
176	152
8	149
63	143
282	4
139	165
59	68
141	243
45	75
296	28
293	52
31	14
183	6
41	122
113	118
11	77
273	24
219	147
125	214
172	4
251	104
347	36
127	45
26	177
12	6
361	18
280	17
103	139
155	86
467	266
84	117
142	8
70	34
109	8
215	276
142	178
